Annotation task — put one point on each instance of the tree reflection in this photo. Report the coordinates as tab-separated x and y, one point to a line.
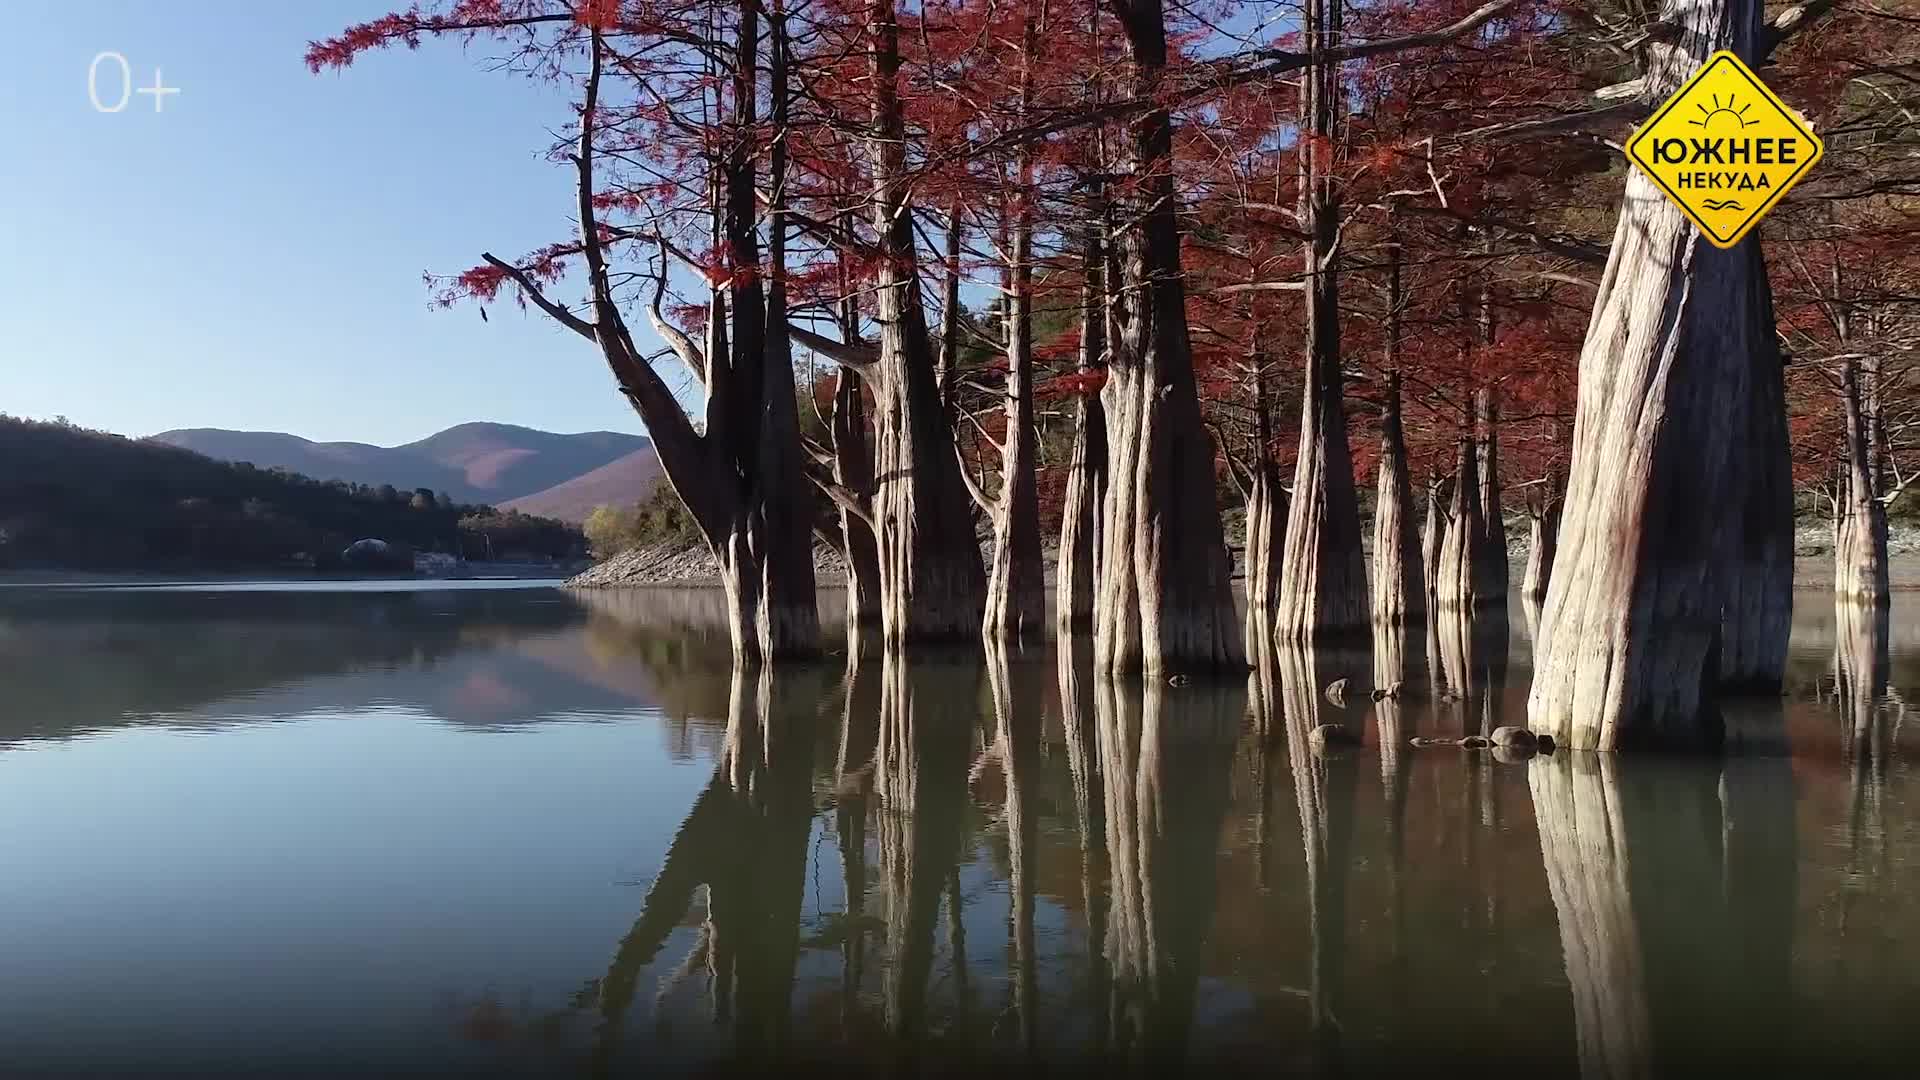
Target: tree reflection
853	793
1018	687
1080	724
1164	760
1399	660
1861	669
920	773
1471	665
1674	890
1287	687
745	841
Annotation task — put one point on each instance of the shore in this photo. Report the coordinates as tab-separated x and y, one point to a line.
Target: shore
471	571
694	567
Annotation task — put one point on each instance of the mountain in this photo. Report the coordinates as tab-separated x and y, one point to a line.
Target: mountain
473	463
619	482
73	498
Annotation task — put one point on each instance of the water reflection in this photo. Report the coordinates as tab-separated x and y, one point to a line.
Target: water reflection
1675	892
634	855
744	846
1164	757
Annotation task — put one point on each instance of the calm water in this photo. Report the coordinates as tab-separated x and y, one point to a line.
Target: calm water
508	828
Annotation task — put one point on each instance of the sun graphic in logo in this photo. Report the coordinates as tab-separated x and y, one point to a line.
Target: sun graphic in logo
1738	116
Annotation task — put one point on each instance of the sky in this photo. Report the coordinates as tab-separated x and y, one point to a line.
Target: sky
251	255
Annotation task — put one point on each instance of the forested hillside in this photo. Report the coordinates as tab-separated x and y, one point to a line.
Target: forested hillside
70	497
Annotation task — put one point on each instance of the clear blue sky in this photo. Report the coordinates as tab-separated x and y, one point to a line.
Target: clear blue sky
251	257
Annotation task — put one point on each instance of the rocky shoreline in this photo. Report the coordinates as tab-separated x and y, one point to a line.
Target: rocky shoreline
675	564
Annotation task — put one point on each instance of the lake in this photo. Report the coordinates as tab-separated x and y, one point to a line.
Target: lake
499	827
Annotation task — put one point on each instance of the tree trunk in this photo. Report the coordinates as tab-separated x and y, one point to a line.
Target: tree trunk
1166	603
1630	629
853	470
1860	548
1491	573
1323	590
1543	533
932	580
740	478
1462	561
1399	580
1078	574
1433	534
1266	522
853	463
1758	615
1016	586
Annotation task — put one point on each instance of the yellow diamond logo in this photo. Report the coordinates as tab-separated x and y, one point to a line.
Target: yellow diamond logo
1725	149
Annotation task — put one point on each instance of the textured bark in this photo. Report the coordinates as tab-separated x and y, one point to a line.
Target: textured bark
1399	579
1433	534
1543	536
1266	520
1016	583
1266	537
1491	573
1630	629
1323	588
1164	761
932	579
1166	603
1077	576
1758	613
1463	560
853	467
1860	547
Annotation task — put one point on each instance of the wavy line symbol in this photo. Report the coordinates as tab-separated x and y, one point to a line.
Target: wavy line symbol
1715	204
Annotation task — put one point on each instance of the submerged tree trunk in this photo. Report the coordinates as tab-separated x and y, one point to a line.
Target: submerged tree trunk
1860	548
1399	578
1166	602
1078	574
932	579
1323	575
1664	441
1016	586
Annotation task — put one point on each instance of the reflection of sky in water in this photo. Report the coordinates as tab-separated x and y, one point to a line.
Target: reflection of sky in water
250	828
